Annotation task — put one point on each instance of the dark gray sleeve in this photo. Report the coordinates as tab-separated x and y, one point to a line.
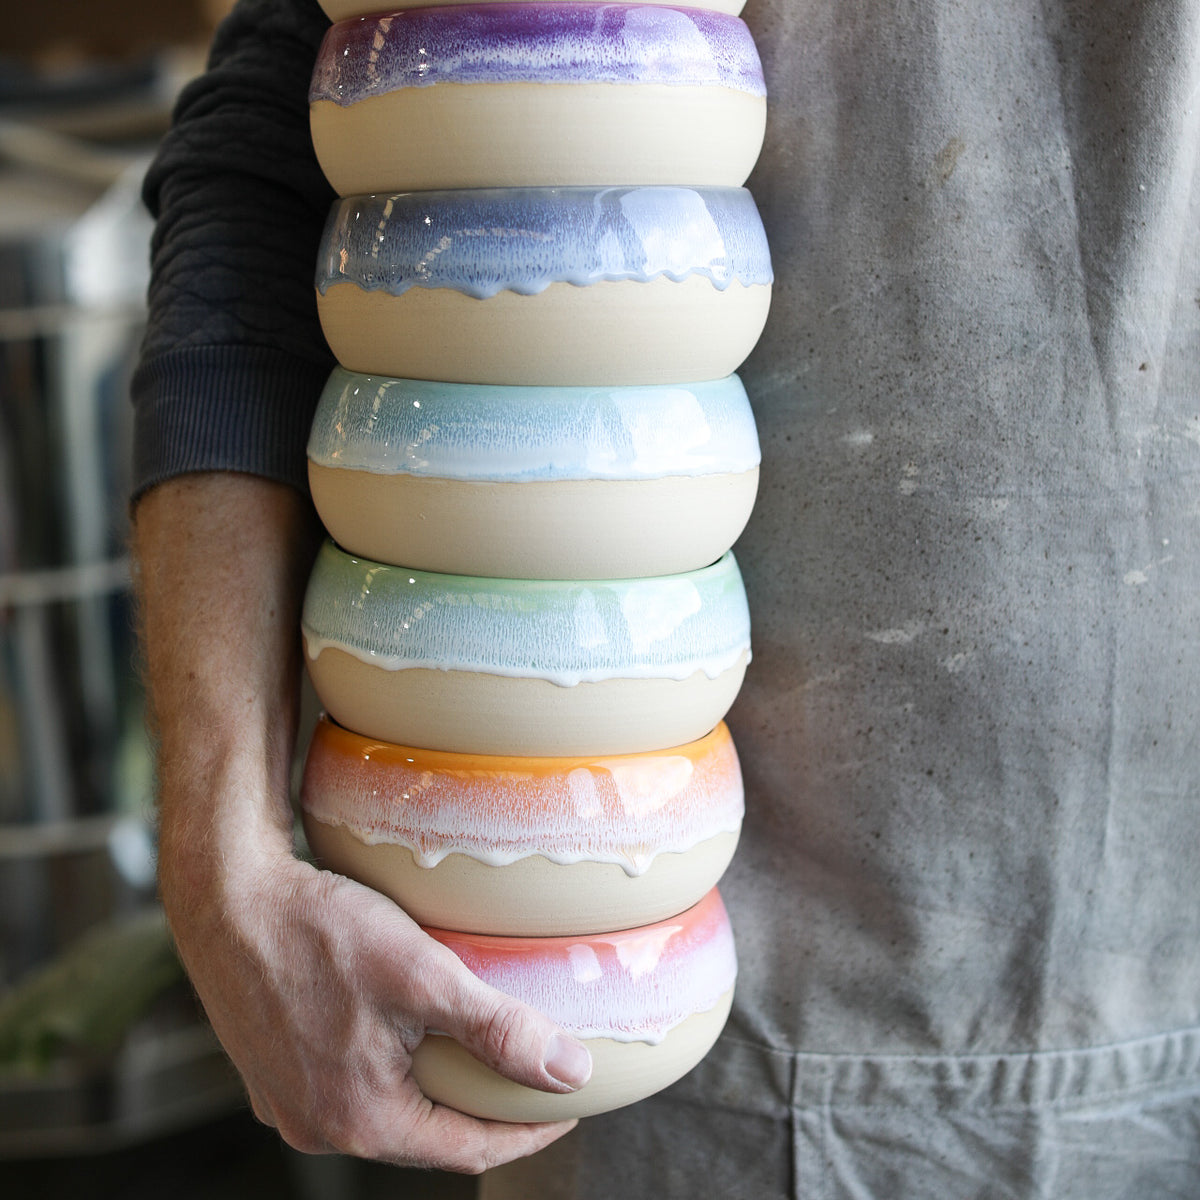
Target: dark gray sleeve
234	359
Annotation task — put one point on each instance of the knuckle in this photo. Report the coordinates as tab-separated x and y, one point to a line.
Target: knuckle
503	1032
355	1145
259	1108
301	1138
351	1130
340	1136
333	1123
423	996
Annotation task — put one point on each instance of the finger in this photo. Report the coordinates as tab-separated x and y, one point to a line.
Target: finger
448	1140
512	1038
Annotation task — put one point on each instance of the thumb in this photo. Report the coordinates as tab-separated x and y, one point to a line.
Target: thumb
507	1035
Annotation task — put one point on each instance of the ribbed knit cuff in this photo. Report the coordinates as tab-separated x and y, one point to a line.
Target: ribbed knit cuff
224	408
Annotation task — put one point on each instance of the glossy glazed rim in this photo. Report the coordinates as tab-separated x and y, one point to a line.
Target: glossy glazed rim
337	740
537	42
690	928
482	241
496	434
564	631
591	984
618	809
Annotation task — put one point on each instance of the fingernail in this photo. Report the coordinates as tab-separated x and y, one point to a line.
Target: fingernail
568	1061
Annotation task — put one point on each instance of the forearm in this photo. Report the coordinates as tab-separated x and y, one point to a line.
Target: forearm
222	562
318	988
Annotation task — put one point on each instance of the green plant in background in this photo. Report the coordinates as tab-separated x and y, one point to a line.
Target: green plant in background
83	1003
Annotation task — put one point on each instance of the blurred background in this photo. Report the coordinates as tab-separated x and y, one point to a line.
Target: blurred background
111	1084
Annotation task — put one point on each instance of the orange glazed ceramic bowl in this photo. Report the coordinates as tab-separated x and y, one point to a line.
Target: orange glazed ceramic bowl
648	1003
525	846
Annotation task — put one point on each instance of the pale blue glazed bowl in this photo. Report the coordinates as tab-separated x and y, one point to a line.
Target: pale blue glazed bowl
533	41
483	433
566	632
534	482
512	666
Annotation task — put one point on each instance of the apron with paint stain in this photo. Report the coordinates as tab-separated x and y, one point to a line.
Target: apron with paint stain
967	897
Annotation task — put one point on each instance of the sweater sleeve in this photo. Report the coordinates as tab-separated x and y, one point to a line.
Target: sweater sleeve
233	358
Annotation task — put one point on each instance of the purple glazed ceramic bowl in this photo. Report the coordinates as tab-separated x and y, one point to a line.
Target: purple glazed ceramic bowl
537	94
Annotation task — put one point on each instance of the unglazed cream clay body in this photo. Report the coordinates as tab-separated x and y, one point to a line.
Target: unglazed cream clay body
534	483
545	286
524	667
537	95
648	1003
525	846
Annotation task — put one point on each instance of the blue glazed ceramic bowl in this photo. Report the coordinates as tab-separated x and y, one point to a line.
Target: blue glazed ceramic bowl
545	286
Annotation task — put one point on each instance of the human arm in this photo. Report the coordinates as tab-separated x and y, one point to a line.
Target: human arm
318	988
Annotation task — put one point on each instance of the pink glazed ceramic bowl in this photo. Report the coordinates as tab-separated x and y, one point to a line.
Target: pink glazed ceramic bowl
648	1003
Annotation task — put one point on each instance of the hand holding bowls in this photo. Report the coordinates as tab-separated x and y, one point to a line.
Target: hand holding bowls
648	1003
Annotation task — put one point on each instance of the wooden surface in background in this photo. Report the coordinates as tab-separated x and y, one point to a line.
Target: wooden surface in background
72	32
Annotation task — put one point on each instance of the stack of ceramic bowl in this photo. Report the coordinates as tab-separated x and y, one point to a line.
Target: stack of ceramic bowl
533	460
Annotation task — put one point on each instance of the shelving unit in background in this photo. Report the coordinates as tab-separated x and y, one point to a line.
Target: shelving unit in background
76	851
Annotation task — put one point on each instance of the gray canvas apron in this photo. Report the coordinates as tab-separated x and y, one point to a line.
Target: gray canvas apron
967	898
